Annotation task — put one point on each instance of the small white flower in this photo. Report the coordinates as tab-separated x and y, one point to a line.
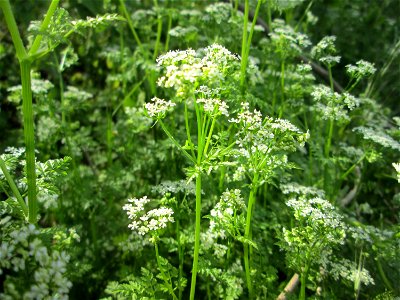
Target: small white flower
158	108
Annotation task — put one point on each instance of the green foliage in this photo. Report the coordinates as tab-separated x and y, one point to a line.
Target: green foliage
283	161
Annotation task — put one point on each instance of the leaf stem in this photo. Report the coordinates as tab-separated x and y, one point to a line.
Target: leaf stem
14	188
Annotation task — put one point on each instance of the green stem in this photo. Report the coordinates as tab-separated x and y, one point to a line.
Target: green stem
383	275
244	44
197	237
352	167
14	188
159	30
130	24
166	47
282	88
189	138
329	139
171	291
246	246
209	136
43	27
331	78
303	281
29	135
269	15
253	24
176	142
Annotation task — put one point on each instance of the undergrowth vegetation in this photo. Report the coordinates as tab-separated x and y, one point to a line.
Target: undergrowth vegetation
199	149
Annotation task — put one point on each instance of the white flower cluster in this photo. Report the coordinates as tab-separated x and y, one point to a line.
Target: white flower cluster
23	252
361	69
324	51
158	107
214	106
317	211
143	221
297	189
250	120
332	105
286	39
184	68
378	137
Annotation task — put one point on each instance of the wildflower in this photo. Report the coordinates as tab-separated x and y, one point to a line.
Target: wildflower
144	222
214	106
159	108
360	70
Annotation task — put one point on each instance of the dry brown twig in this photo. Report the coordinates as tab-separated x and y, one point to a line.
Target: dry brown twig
290	287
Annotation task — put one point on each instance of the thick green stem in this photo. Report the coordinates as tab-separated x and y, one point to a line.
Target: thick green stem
29	138
303	279
196	238
13	28
246	246
14	188
167	283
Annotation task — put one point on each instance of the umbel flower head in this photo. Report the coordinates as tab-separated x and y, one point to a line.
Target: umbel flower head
147	222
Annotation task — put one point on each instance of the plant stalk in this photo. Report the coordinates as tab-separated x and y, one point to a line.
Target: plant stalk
246	247
29	136
197	237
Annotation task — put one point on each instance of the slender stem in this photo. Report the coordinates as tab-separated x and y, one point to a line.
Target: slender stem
43	27
282	88
176	142
171	291
269	15
130	24
331	78
180	255
329	138
14	188
253	24
166	47
383	275
159	30
189	138
209	136
29	135
246	246
352	167
13	29
244	44
197	237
